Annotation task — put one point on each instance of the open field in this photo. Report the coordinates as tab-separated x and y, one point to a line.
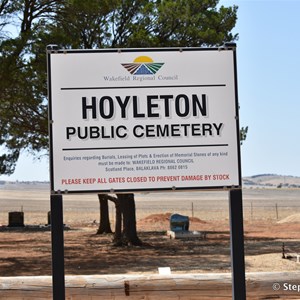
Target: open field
272	217
259	204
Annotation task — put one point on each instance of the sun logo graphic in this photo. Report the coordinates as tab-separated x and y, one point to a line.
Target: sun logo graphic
143	65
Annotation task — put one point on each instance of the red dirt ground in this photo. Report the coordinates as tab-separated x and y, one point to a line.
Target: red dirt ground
28	252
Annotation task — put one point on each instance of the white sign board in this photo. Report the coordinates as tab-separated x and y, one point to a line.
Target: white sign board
150	119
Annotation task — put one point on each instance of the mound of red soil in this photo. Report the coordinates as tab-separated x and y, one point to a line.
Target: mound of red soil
166	218
197	220
158	218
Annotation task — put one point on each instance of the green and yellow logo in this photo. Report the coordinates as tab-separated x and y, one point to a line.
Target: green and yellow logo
143	65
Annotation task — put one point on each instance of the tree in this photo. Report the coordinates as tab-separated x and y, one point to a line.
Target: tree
243	134
104	226
125	225
87	24
23	82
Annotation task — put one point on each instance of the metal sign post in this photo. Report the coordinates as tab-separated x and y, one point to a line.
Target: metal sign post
57	237
237	245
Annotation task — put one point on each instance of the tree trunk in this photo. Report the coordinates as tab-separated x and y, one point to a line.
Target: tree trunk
125	215
104	226
127	206
118	225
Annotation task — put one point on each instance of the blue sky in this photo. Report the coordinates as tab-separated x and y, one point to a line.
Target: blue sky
268	74
268	53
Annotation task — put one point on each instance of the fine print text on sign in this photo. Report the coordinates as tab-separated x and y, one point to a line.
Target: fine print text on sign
143	120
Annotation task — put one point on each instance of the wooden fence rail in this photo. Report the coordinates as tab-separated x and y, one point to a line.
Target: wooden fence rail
150	287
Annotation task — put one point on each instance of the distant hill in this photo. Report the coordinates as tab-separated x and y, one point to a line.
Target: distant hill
272	180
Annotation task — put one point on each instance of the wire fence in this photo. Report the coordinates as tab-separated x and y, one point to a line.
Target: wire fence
257	205
274	212
251	211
